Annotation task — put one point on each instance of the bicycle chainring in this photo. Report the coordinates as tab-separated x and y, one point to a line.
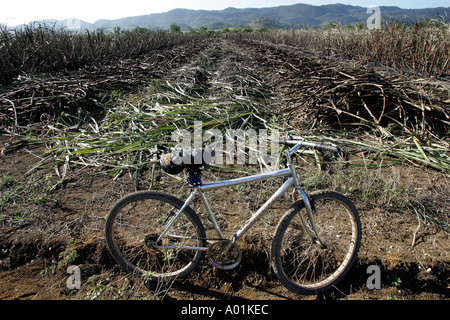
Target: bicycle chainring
222	259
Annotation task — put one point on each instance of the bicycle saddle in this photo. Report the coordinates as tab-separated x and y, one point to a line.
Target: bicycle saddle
175	161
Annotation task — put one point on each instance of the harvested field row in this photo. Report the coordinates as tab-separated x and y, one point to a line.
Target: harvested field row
264	81
68	97
343	94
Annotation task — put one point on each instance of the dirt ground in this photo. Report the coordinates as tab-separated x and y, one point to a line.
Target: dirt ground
47	224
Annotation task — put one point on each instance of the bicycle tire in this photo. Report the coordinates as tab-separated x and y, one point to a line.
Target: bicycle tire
143	215
301	263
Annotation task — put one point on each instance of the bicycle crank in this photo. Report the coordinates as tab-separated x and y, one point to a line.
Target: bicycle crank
221	258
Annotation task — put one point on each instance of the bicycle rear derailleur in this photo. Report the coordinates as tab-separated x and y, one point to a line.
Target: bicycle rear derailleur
224	254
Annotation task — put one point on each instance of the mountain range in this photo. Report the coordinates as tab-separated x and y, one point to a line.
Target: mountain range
292	16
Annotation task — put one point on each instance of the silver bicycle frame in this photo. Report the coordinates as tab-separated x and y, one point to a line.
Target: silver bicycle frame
263	176
292	181
222	184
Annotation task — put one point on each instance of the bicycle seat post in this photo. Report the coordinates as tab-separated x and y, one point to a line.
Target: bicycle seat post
194	179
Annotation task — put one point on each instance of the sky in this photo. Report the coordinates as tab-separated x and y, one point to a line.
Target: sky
23	11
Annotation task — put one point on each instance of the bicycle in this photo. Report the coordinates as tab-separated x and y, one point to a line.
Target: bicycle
158	236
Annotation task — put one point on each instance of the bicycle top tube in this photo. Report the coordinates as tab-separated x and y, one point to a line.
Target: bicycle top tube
247	179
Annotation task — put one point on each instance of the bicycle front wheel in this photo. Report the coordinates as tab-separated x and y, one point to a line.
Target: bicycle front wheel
300	261
134	226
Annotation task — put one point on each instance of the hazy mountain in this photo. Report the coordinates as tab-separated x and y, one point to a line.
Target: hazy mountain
297	15
71	24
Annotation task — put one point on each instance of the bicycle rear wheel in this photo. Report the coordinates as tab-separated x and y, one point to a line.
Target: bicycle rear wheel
302	264
135	223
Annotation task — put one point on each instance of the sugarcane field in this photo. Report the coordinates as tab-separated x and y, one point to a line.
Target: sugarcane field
85	116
